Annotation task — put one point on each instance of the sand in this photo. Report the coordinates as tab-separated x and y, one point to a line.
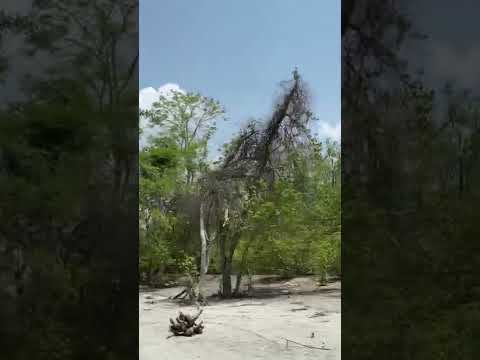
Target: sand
247	328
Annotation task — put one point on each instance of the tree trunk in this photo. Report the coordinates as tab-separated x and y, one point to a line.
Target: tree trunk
242	268
227	277
226	266
250	283
238	283
207	255
204	258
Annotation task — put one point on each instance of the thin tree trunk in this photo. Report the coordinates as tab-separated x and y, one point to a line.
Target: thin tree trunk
242	268
238	283
250	283
207	255
226	266
204	258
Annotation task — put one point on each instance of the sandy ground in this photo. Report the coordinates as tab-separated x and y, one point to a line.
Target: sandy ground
247	328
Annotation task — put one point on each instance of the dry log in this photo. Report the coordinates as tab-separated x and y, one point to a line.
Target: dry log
185	325
181	294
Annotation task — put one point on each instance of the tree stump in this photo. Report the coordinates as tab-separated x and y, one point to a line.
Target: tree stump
185	325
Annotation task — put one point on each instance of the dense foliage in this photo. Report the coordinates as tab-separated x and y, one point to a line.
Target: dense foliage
69	182
409	208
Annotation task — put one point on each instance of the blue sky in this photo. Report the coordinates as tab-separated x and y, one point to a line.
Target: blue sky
238	51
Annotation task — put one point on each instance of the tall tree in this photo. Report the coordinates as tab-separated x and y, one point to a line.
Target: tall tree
190	119
187	120
252	157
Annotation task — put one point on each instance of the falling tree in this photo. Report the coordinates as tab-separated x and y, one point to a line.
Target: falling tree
252	157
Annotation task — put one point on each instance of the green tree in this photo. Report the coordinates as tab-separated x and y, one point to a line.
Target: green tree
189	119
293	228
186	122
159	171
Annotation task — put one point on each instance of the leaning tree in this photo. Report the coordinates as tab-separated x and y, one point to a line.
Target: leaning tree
253	157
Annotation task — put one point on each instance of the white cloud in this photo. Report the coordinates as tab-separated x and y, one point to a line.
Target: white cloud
149	95
327	130
146	97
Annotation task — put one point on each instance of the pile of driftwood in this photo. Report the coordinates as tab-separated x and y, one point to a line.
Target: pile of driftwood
185	325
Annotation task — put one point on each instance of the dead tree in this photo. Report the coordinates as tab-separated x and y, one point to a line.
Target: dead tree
252	157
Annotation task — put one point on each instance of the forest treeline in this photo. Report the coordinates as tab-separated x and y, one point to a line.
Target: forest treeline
68	178
270	204
410	145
